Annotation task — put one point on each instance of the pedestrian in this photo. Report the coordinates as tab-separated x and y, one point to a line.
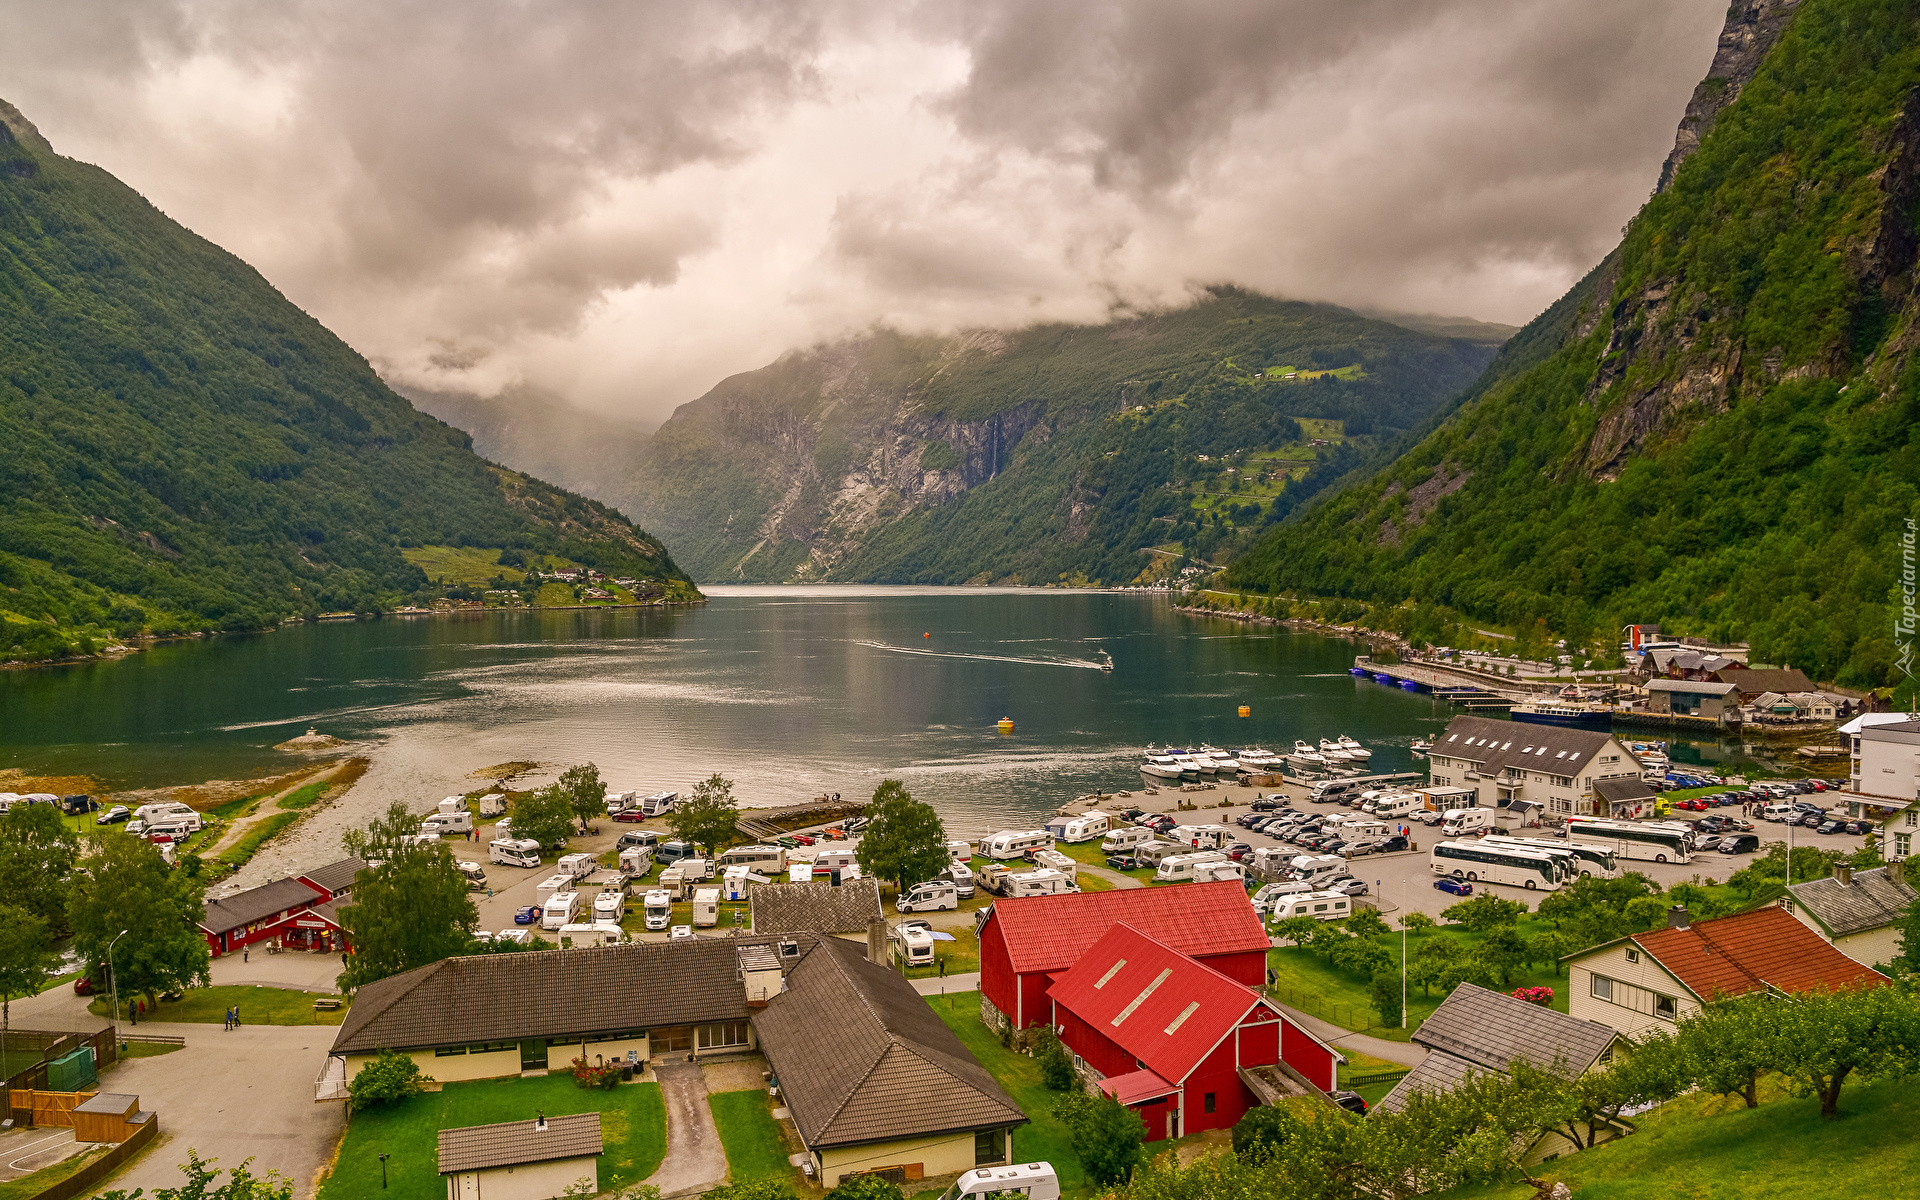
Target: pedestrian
236	1016
226	1021
245	953
489	893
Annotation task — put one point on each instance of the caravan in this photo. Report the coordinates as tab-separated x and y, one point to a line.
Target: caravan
1178	868
561	908
1203	837
766	860
598	933
610	905
1057	861
1014	843
1039	883
659	804
1122	841
1213	872
1083	828
1321	906
576	866
706	907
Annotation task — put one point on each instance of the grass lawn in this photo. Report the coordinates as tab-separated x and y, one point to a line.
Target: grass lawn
1091	854
1045	1139
1372	1077
234	808
149	1049
962	955
237	855
1305	980
1696	1147
258	1006
755	1149
633	1121
302	797
461	564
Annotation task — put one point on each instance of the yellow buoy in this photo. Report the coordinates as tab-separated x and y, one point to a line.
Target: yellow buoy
926	635
1006	724
1246	710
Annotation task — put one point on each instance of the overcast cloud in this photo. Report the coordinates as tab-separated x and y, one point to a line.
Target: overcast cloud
622	203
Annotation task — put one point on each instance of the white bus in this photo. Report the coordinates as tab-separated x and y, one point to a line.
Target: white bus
1513	866
1656	841
1596	861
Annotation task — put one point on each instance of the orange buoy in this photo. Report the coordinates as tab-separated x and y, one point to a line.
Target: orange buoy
1006	724
1246	710
926	635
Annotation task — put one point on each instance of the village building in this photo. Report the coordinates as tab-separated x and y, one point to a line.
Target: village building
1177	1042
874	1079
1478	1031
1623	797
522	1160
1026	941
268	914
816	906
1551	766
1651	980
1693	698
1857	912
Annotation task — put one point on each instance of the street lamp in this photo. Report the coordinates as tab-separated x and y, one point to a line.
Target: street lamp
383	1171
113	978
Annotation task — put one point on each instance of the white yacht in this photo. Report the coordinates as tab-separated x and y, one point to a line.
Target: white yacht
1302	752
1223	763
1255	759
1421	745
1354	749
1198	764
1160	764
1332	751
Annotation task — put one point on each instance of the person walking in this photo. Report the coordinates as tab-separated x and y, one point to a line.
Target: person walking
236	1016
227	1023
245	953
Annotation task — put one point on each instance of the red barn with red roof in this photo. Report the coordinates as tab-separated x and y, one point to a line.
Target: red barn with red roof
1171	1035
1029	940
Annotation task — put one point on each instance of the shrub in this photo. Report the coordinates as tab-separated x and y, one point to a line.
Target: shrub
1056	1066
1261	1132
1543	996
753	1189
1386	993
588	1076
388	1079
1106	1136
866	1187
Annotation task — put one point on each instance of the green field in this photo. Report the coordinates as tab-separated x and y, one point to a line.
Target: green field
633	1123
303	797
237	855
755	1149
461	565
1045	1139
258	1006
1372	1077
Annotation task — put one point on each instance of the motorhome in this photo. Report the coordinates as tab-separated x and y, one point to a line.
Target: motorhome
447	823
514	852
1031	1181
827	861
576	866
800	872
1321	906
1462	821
552	885
1353	830
1215	871
1014	843
1083	828
493	804
916	945
1269	896
636	861
658	908
475	876
1120	841
639	837
1178	868
597	933
962	876
768	860
935	895
168	812
1401	804
706	907
1058	862
672	852
738	880
961	851
168	831
610	905
561	908
1043	882
1149	854
1317	867
659	804
1203	837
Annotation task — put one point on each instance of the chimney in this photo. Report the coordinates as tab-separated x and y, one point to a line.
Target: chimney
540	1121
1844	873
1677	917
877	941
1897	870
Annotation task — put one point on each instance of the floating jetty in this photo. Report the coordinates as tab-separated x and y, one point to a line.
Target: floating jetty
1456	688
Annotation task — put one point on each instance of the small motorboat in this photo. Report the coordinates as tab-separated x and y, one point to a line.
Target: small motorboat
1421	745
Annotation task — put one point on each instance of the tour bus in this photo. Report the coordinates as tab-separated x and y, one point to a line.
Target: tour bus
767	860
1013	843
1656	841
1178	868
1514	866
1083	828
1588	860
514	852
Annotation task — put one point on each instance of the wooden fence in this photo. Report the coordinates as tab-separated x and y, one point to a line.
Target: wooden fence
48	1108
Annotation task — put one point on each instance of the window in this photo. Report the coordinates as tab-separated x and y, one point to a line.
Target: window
448	1051
1902	845
1913	818
989	1146
1602	988
1663	1007
1206	1102
1633	956
678	1037
723	1034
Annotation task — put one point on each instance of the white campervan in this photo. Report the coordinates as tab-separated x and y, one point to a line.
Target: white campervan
1119	841
610	905
1268	897
1203	837
1178	868
1466	820
1057	861
658	907
706	907
169	812
636	861
1213	872
1039	883
453	822
1031	1181
561	908
962	876
598	933
474	874
523	852
1083	828
1401	804
1013	843
552	885
935	895
576	866
1321	906
1314	868
916	945
767	860
659	804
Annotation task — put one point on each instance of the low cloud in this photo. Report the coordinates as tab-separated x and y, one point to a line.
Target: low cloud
620	204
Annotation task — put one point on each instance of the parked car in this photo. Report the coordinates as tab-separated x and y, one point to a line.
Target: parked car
1739	843
629	814
1133	814
1391	843
1353	1102
1710	824
119	814
1833	825
1363	846
526	915
1267	804
1457	887
1813	820
1351	886
1735	824
1429	818
1123	862
1706	842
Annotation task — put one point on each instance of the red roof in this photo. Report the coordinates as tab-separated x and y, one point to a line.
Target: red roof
1136	1086
1167	1010
1050	933
1752	951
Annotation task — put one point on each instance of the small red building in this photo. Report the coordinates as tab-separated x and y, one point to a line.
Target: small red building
299	913
1174	1039
1028	941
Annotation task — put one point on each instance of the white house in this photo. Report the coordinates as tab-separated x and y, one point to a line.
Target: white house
1857	911
1549	765
1884	784
522	1160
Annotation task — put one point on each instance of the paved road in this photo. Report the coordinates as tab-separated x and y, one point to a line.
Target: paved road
695	1159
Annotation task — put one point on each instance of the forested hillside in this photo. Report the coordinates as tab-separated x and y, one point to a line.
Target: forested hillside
187	450
1714	430
1049	454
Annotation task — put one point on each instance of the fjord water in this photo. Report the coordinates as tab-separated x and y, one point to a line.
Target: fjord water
788	691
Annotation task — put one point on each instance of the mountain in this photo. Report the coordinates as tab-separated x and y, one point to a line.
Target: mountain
187	450
1714	430
541	434
1057	453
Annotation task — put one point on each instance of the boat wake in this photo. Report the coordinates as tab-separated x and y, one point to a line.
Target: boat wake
1083	664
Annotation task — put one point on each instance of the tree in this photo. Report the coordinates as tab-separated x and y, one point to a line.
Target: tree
1298	930
1821	1038
1485	911
1598	1100
1500	952
124	884
1728	1044
1366	923
379	837
1361	957
1909	931
1434	960
866	1187
26	961
546	817
1056	1066
1106	1136
707	818
1385	992
412	909
1416	923
905	841
37	850
585	793
390	1078
241	1184
1549	948
1260	1133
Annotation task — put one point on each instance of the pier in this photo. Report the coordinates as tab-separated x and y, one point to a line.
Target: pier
1463	689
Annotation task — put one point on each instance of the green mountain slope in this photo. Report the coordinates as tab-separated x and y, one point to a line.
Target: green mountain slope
187	450
1055	453
1715	429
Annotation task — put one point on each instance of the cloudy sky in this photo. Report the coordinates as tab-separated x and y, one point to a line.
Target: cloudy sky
621	203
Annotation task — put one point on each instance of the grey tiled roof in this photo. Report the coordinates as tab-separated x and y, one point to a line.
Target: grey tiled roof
256	904
1478	1029
1496	745
336	875
548	993
893	1070
814	907
513	1143
1623	788
1691	687
1874	900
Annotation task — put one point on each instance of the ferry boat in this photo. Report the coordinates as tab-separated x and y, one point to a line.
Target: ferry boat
1571	708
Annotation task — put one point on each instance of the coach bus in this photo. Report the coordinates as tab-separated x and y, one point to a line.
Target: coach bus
1478	862
1596	861
1654	841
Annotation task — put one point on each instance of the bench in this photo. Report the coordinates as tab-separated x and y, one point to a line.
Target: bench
327	1004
